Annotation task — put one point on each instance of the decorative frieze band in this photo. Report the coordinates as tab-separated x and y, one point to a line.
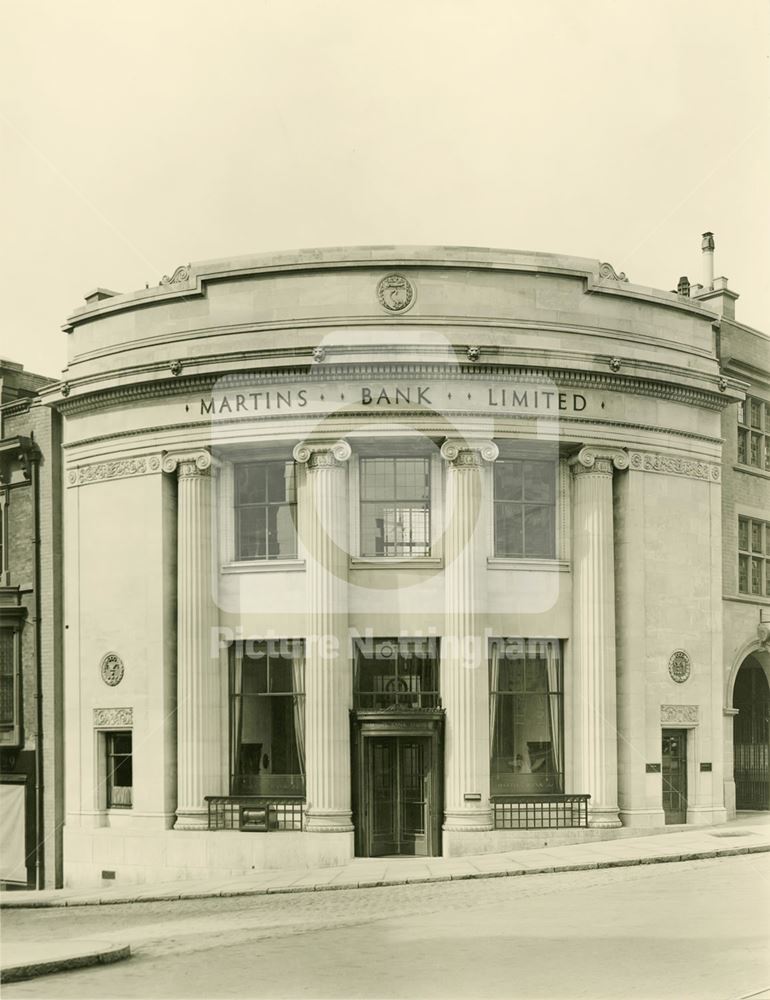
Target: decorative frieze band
113	718
674	465
119	468
681	714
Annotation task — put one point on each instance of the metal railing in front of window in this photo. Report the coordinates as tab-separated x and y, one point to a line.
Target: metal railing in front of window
540	812
373	701
254	813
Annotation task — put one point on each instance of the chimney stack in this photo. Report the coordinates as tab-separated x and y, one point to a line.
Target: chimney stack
707	246
683	288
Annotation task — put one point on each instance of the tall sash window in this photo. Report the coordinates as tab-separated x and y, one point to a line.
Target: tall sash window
267	718
526	716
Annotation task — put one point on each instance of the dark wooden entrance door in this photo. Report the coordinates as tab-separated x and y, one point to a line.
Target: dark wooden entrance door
674	760
398	795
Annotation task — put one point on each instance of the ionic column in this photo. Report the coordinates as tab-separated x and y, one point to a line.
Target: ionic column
323	503
593	631
464	671
198	688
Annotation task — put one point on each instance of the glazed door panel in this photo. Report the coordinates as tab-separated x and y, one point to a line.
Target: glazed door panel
397	796
674	773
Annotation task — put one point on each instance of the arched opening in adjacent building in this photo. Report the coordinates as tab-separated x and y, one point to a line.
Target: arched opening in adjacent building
751	735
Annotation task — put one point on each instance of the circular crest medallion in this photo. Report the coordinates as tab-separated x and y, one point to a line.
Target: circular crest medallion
112	669
679	666
395	293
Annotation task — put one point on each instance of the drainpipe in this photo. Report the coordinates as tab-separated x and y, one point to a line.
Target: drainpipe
34	472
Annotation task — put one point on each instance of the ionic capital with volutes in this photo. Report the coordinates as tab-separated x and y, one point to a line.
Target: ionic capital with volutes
322	454
469	453
598	460
187	464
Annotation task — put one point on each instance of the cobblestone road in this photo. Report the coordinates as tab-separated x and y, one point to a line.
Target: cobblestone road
698	929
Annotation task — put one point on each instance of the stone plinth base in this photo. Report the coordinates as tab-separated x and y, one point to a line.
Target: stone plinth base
191	819
146	857
639	819
467	820
327	821
706	815
600	818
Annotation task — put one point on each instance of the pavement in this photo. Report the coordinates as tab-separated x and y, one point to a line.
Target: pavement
748	834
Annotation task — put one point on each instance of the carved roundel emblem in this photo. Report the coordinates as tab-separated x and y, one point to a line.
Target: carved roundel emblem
112	669
679	666
395	293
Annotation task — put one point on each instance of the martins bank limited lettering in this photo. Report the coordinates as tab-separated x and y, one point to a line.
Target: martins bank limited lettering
371	396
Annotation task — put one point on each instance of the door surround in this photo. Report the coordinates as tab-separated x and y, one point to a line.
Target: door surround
367	726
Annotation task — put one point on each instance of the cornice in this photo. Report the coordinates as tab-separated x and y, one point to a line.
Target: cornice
179	385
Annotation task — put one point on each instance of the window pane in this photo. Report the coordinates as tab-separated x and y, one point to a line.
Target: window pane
767	451
251	529
539	480
508	480
509	532
281	532
756	576
741	413
280	675
7	679
756	413
743	574
378	480
412	478
250	484
537	678
280	481
756	449
743	446
756	536
743	534
538	532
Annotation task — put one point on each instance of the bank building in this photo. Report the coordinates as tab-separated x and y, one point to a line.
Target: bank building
397	551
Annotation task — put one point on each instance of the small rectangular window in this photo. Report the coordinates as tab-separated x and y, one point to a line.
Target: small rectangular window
10	707
265	510
119	766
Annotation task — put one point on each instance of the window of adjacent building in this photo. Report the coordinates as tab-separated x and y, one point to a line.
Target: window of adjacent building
10	716
525	717
753	557
267	718
395	506
119	769
265	510
525	508
396	673
754	433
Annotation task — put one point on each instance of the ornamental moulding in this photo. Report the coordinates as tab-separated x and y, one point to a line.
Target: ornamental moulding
674	465
113	718
679	713
120	468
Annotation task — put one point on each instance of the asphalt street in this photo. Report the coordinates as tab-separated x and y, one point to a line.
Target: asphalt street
696	929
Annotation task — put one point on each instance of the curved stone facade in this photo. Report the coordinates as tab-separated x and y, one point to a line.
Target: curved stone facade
473	450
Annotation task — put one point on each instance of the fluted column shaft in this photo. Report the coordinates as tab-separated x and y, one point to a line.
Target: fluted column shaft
328	675
464	672
198	688
593	632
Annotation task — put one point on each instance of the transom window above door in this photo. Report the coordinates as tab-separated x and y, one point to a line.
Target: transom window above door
265	510
396	673
525	508
395	506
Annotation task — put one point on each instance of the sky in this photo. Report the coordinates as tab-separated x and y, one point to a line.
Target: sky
135	137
